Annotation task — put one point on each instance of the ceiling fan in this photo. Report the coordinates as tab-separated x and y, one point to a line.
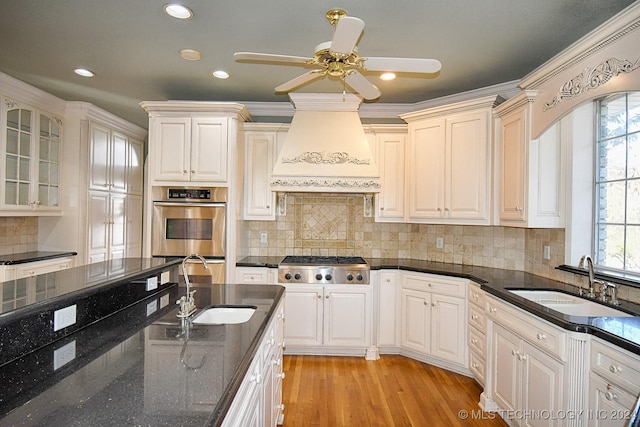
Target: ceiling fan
339	57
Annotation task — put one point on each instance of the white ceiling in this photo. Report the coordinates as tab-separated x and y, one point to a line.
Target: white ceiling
133	46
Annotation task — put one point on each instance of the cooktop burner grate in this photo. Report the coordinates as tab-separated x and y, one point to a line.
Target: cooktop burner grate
322	260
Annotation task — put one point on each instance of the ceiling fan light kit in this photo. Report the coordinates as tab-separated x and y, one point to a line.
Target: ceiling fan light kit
339	58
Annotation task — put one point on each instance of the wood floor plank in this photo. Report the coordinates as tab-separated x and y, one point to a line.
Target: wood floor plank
393	391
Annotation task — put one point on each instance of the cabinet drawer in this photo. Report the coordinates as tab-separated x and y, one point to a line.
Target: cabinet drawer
536	331
477	366
476	296
435	284
43	267
620	368
251	275
477	341
477	317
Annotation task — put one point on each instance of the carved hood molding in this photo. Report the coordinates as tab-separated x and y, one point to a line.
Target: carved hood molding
325	149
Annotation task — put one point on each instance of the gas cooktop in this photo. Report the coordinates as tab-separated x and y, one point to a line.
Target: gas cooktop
323	270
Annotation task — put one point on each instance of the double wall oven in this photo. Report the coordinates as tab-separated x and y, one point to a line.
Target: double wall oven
191	220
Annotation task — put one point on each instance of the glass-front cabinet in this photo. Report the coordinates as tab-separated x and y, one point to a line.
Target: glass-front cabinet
31	142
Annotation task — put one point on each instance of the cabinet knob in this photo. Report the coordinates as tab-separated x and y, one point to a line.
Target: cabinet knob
475	317
493	310
615	369
268	207
433	304
610	395
327	296
474	365
388	280
381	208
541	336
522	356
473	341
193	172
425	303
184	171
514	353
319	296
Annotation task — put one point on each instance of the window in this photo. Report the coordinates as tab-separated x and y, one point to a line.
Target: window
617	183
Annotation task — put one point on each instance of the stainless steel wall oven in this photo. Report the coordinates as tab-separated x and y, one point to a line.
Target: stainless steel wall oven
189	220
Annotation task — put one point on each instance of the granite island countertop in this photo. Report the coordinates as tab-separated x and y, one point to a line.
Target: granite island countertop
24	257
140	366
621	331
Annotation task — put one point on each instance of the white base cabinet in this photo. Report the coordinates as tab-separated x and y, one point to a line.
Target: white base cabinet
525	379
328	316
259	400
434	317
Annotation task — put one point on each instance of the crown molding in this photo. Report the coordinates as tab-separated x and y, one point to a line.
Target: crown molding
23	92
389	110
88	111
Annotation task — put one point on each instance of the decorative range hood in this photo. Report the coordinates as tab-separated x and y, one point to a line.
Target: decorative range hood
325	149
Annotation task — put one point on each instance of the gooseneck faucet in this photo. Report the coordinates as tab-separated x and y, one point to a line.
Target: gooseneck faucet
187	302
587	259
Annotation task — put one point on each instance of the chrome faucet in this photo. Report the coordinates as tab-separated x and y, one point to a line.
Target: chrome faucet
187	302
592	275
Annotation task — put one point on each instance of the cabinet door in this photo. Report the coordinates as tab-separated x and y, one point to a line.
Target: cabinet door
426	161
542	379
346	316
387	309
99	157
609	406
49	162
134	226
259	202
171	138
506	382
135	167
466	172
391	159
118	162
512	167
303	315
98	226
117	226
448	328
209	149
416	314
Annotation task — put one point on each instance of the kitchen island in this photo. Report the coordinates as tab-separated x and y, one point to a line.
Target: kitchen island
140	365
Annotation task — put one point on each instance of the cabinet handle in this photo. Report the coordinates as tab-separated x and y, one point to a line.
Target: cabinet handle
193	172
425	303
473	341
433	304
268	207
281	375
541	336
514	353
319	296
381	208
522	356
327	296
446	209
474	317
184	171
474	365
493	310
615	369
611	395
388	280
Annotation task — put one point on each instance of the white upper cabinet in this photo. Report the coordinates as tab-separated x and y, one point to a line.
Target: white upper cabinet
449	163
391	161
189	149
261	143
32	147
531	184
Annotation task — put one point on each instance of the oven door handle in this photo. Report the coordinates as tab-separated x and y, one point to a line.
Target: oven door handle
182	205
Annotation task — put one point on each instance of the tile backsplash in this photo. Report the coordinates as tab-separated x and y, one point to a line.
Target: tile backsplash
334	224
18	234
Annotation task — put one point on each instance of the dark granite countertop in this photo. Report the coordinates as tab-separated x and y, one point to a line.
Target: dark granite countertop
92	291
140	366
621	331
24	257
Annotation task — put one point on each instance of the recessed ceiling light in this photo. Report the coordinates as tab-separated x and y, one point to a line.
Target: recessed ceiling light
190	54
84	72
387	76
220	74
178	11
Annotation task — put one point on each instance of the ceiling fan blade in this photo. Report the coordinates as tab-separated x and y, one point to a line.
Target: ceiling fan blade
402	65
348	30
299	81
270	57
360	84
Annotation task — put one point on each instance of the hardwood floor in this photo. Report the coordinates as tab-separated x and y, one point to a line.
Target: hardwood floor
392	391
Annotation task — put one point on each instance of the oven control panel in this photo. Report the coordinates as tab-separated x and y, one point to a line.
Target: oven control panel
189	193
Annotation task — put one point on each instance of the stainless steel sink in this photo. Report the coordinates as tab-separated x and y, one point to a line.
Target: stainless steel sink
570	304
224	315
